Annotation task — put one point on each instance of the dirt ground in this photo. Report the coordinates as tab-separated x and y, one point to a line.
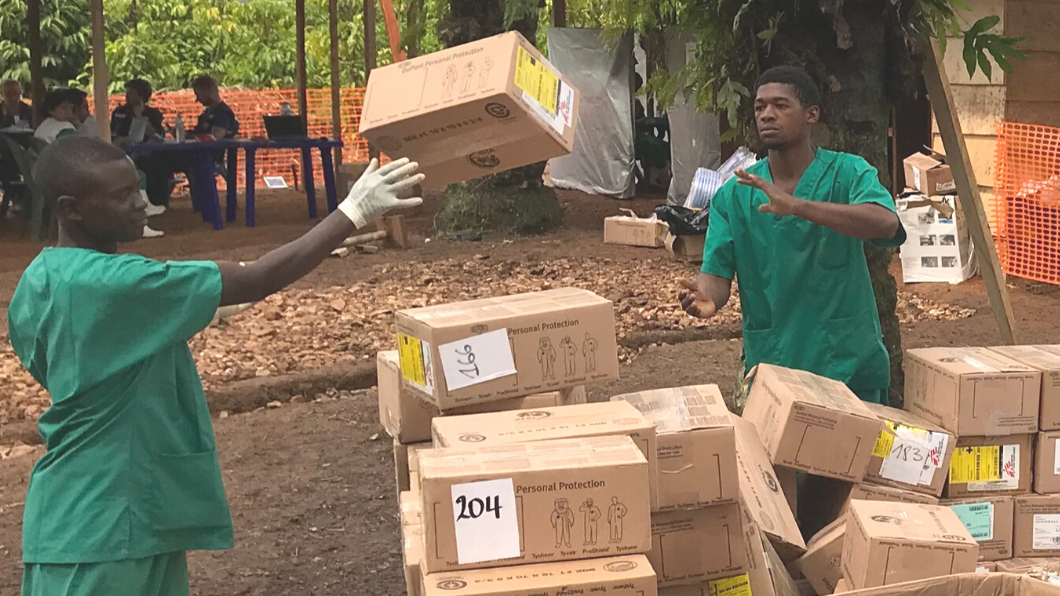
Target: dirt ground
311	484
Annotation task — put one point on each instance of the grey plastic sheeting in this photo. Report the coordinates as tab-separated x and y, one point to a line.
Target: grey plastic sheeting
602	159
695	140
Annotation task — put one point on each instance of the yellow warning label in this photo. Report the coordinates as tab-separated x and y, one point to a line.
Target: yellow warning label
975	464
732	586
537	80
410	352
884	443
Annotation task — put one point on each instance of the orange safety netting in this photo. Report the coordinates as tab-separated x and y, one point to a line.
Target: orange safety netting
251	106
1027	201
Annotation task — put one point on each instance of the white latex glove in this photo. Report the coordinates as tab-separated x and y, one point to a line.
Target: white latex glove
375	192
223	312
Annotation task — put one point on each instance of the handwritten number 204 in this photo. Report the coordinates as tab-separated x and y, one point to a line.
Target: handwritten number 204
466	359
474	508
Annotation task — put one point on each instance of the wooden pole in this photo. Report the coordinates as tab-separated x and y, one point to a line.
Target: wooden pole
559	13
336	89
100	77
938	88
36	66
369	50
300	83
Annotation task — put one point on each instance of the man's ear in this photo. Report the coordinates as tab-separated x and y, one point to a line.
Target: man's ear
66	208
813	114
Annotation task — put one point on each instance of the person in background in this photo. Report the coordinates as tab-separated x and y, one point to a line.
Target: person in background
61	119
137	95
217	119
14	111
130	481
83	118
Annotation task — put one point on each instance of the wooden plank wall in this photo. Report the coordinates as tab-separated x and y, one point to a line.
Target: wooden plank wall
980	102
1034	85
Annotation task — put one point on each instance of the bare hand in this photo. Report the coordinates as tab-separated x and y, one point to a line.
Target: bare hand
780	203
695	300
138	110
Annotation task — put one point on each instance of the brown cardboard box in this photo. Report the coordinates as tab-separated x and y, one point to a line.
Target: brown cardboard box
811	424
870	492
890	543
986	567
616	576
413	464
731	586
990	466
688	249
401	467
832	498
972	391
767	573
694	546
476	109
919	444
412	558
695	457
989	520
409	507
566	422
1045	359
841	587
761	495
1046	463
822	563
574	499
407	417
1028	565
631	230
928	174
557	339
1037	526
967	584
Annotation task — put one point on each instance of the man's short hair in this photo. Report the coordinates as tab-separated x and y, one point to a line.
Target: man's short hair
65	167
805	89
204	83
55	98
141	87
10	82
76	96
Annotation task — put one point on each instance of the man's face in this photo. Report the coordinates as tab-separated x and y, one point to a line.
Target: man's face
204	96
64	112
81	112
111	208
12	93
132	98
781	118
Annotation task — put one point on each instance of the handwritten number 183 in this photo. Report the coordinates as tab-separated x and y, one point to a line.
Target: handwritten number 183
466	358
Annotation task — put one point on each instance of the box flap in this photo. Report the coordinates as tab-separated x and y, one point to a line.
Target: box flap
970	361
1044	358
588	452
923	162
680	408
910	522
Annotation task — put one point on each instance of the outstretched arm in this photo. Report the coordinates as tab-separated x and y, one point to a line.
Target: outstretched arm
374	194
705	295
864	221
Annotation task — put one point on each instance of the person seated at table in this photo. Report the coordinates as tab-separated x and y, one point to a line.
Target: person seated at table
217	119
60	121
137	94
13	111
83	118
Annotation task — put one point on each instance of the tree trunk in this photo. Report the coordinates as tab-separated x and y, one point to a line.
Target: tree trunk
512	202
845	47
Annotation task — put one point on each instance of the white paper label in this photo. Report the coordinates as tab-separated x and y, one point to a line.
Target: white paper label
477	359
1009	472
1056	458
565	110
937	443
1046	532
487	527
906	462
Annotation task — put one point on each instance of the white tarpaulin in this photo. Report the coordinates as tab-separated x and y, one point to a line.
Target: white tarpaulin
602	160
695	141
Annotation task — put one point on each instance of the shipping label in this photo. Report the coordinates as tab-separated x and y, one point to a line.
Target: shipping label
978	519
1046	532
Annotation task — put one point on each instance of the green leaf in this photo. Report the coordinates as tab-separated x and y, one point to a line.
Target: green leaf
984	64
984	24
969	55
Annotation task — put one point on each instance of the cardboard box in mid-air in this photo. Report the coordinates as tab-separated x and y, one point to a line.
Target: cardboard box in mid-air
929	174
811	424
476	109
972	391
407	416
534	502
695	456
890	543
910	452
467	353
614	576
1045	359
989	520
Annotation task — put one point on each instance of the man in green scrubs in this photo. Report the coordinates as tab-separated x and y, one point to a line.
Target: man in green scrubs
791	229
130	479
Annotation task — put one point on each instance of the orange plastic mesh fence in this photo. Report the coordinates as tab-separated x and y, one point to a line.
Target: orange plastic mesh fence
1027	201
251	106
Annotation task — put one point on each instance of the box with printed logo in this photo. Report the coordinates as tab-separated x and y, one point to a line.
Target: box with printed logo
989	520
983	466
468	353
614	576
534	502
910	452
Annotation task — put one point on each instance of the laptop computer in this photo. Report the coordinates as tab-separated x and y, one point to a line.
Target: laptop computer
280	128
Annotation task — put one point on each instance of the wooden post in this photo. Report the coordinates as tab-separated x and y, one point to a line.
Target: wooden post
100	77
300	83
336	89
938	88
369	50
36	66
559	13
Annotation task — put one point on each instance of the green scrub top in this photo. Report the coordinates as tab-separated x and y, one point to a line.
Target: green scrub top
805	293
131	466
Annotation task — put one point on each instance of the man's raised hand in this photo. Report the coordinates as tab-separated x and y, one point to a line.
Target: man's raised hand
695	300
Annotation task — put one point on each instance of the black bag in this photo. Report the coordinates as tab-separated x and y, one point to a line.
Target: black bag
682	220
